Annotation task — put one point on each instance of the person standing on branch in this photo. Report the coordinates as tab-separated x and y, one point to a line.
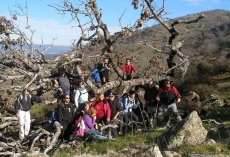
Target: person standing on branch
22	110
129	70
62	78
169	96
104	71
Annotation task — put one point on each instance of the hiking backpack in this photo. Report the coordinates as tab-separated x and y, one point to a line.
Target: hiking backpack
95	75
54	114
73	93
167	98
79	126
121	98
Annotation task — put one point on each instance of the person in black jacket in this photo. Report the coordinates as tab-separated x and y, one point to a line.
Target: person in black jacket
104	70
116	107
151	103
22	110
66	117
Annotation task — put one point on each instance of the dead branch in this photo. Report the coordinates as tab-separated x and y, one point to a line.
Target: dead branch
129	83
57	127
108	126
4	125
42	132
146	44
213	120
183	62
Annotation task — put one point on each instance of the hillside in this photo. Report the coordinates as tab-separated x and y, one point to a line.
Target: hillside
206	39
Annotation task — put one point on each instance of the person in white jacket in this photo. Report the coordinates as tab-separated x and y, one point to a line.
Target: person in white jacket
81	95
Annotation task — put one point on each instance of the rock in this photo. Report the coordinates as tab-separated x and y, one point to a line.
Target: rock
152	152
209	142
188	131
213	97
170	154
212	102
189	102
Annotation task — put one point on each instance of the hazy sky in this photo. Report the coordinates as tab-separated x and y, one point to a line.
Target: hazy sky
49	24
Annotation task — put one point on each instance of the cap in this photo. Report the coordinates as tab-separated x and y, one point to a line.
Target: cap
111	94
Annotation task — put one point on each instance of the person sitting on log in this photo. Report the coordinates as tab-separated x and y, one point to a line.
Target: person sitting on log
102	108
129	70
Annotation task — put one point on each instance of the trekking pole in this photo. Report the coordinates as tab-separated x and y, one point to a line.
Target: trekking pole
131	117
155	115
143	118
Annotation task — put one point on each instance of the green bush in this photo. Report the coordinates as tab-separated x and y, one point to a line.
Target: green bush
204	91
199	78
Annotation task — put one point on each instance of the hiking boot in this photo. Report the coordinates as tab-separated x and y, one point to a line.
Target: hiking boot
26	139
178	119
151	123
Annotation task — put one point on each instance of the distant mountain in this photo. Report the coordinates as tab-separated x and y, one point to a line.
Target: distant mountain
51	52
206	36
55	50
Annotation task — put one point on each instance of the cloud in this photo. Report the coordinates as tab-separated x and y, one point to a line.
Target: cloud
46	30
49	29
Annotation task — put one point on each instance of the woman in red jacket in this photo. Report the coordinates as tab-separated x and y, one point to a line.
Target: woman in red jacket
103	109
129	69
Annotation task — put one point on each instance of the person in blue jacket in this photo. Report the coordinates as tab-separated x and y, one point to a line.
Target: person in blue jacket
130	104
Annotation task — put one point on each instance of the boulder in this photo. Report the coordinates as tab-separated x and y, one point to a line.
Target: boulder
212	103
189	102
189	131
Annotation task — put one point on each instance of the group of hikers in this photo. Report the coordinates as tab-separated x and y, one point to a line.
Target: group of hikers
76	114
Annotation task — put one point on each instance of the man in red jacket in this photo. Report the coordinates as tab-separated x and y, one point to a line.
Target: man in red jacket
129	70
169	96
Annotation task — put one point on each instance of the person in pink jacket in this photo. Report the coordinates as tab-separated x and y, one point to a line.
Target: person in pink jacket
129	69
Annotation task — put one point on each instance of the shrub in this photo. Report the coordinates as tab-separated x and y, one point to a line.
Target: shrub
204	91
